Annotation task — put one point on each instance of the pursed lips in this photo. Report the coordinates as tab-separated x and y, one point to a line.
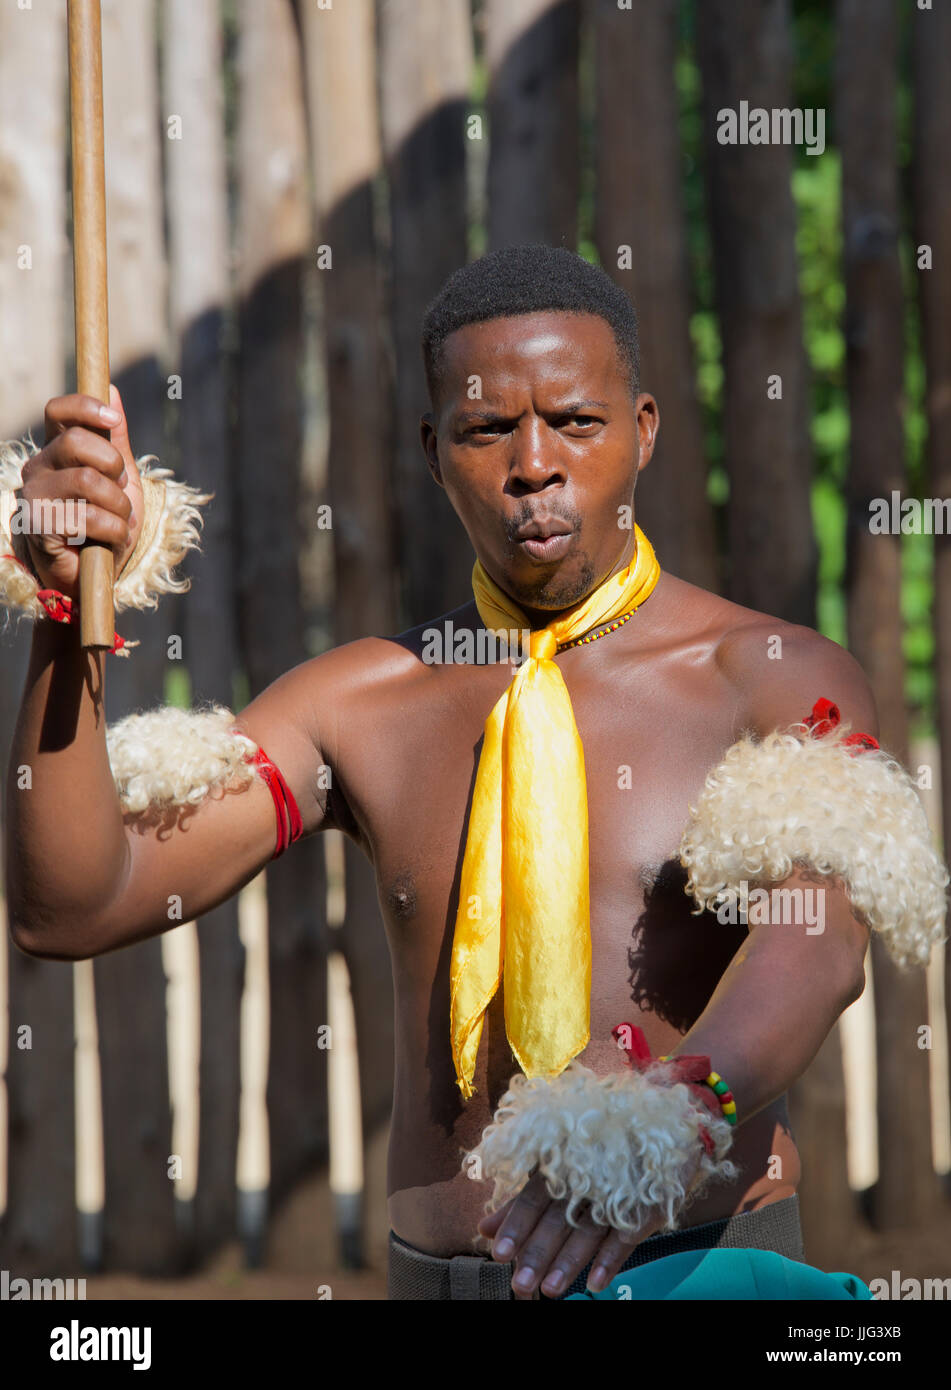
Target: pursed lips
545	540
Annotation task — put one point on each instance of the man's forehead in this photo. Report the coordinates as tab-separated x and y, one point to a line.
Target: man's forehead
504	332
553	345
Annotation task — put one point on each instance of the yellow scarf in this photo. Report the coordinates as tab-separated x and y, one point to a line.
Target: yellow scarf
524	908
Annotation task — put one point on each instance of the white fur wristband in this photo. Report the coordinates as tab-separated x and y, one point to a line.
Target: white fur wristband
616	1145
801	798
170	528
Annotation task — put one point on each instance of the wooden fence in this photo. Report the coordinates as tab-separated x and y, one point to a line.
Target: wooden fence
288	185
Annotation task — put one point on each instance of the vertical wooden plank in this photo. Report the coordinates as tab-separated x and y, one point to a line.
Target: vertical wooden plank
828	1207
38	1226
341	77
139	1227
867	49
532	57
138	280
426	63
745	55
639	215
274	237
866	83
932	219
199	257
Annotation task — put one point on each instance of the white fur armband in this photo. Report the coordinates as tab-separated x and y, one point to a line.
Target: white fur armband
618	1144
812	800
171	757
170	528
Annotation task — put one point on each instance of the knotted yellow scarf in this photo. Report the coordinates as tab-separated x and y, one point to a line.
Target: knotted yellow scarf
523	897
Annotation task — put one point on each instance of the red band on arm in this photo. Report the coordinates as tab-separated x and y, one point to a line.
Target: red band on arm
61	608
691	1070
290	824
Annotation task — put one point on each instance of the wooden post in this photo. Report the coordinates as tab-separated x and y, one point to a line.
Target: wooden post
341	77
641	238
828	1207
532	56
139	1216
199	256
745	55
426	63
274	238
866	91
932	207
37	1208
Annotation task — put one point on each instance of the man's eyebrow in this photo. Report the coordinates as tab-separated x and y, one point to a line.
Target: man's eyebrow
473	417
572	407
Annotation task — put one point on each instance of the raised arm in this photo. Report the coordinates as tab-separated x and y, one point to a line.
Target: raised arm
82	877
88	870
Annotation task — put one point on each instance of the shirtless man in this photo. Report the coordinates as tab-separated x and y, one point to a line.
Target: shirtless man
556	441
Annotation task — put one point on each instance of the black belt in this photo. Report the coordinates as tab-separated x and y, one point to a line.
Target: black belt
415	1275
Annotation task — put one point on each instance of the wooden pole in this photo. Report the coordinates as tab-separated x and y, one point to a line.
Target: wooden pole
96	562
745	53
865	89
638	208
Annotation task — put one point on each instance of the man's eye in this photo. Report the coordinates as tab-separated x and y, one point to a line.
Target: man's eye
581	420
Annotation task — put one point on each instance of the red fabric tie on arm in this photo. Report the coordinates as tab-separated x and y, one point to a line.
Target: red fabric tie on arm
824	718
692	1071
284	803
60	607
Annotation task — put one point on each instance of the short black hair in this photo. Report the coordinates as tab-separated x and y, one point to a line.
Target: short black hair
527	280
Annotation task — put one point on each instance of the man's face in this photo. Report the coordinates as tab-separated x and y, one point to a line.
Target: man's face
536	430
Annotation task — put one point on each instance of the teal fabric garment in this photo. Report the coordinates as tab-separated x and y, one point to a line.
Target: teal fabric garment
740	1274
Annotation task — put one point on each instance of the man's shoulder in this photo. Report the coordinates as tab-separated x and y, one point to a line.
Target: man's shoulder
779	669
381	661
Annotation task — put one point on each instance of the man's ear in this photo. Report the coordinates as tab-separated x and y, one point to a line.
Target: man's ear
648	423
427	435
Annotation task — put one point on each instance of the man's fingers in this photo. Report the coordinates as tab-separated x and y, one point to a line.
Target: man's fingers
521	1218
87	483
612	1253
77	447
539	1249
491	1223
578	1250
119	433
63	411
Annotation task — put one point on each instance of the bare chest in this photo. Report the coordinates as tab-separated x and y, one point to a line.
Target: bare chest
650	733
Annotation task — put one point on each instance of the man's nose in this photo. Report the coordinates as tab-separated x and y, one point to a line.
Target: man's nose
535	461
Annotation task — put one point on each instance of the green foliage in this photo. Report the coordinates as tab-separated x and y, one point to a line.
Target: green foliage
829	521
817	195
178	686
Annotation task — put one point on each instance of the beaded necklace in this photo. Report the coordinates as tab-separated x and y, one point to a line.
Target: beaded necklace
593	636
